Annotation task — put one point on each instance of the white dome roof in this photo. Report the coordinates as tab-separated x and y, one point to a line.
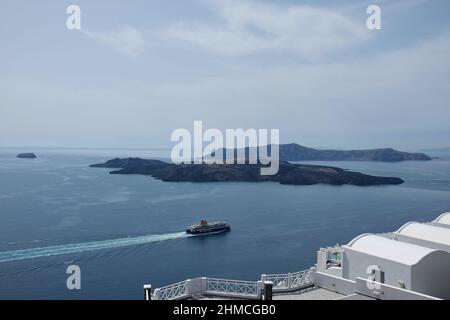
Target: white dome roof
443	218
426	232
401	252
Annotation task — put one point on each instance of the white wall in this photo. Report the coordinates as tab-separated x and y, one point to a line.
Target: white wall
355	265
333	283
432	275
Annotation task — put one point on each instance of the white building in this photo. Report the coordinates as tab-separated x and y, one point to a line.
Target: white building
398	264
415	259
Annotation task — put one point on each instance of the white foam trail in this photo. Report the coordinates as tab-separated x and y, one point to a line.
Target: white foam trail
86	246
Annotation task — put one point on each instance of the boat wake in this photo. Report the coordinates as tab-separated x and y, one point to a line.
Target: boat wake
86	246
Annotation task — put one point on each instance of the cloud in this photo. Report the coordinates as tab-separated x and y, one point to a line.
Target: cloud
251	27
401	92
397	98
390	99
127	40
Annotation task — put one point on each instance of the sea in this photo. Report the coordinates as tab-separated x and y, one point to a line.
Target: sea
124	231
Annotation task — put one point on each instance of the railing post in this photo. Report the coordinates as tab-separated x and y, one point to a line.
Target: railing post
288	280
189	287
268	286
204	286
147	292
156	294
194	287
259	289
263	277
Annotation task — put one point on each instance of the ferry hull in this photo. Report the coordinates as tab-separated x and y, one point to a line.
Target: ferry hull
208	230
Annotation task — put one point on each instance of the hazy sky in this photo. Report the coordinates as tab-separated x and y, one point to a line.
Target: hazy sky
137	70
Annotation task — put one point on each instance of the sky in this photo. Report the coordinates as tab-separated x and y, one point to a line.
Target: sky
138	70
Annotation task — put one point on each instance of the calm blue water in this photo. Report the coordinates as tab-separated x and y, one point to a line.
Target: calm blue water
124	231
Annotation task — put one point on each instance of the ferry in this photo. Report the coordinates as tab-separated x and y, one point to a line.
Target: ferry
204	227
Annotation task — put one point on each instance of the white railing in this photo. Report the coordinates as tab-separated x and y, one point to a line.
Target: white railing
197	287
232	288
174	291
289	281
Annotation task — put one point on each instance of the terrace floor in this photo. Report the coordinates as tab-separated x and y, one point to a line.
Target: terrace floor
314	294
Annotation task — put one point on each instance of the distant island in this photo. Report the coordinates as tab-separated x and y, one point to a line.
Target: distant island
289	174
296	152
27	155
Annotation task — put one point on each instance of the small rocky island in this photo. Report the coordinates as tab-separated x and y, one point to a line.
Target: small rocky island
291	174
28	155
